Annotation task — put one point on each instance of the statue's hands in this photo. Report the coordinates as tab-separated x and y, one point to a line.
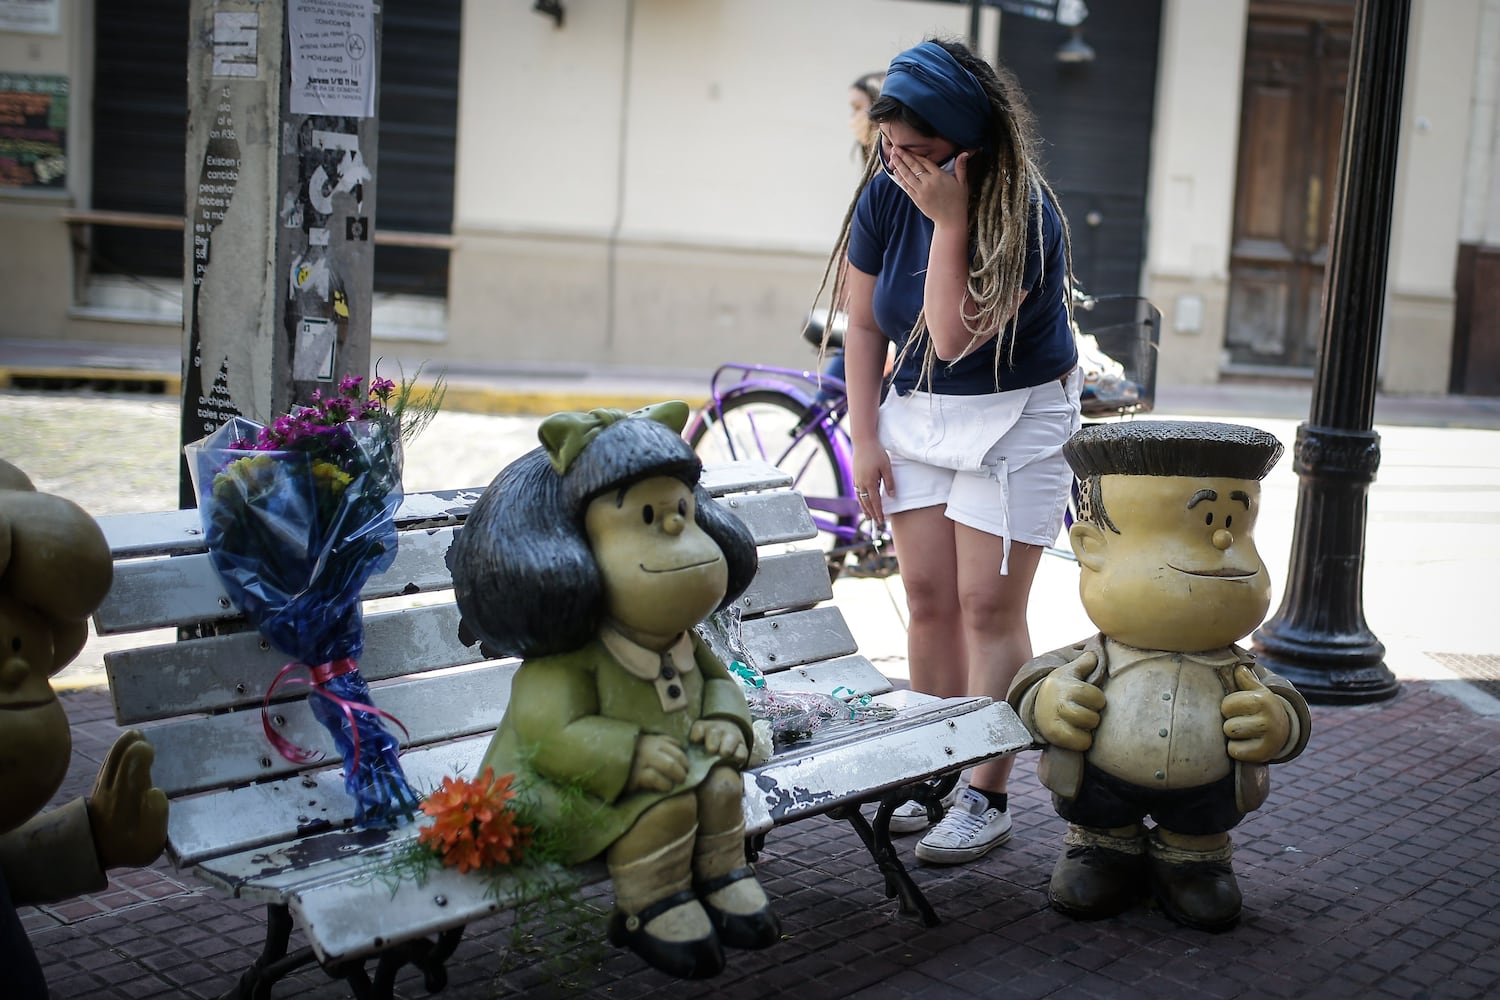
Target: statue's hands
1255	719
1067	706
128	816
721	738
659	764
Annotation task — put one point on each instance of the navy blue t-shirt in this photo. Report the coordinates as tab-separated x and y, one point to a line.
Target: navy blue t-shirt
890	239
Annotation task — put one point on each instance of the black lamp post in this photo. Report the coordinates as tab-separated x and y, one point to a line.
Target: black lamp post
1318	639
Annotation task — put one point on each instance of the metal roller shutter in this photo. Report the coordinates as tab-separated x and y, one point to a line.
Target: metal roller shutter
140	125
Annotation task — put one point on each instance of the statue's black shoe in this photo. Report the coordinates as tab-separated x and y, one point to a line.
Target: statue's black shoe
1200	894
696	959
1090	881
751	931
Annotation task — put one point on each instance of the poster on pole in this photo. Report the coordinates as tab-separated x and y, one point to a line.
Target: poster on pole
333	57
35	17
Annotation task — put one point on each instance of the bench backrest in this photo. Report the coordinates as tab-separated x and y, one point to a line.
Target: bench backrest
197	690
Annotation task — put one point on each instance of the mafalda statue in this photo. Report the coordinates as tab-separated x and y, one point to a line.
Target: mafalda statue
1161	715
592	558
54	571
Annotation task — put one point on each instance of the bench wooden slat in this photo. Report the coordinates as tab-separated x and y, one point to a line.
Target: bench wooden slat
786	581
787	640
153	593
233	671
959	734
175	532
211	831
209	751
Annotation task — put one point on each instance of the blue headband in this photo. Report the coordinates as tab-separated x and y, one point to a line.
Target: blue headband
927	79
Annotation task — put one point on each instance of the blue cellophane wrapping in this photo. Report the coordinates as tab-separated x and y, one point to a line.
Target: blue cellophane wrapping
293	545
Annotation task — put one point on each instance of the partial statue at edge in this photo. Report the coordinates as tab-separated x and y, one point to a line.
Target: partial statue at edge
1161	714
55	569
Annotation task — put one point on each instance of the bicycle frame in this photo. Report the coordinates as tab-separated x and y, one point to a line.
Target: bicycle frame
823	419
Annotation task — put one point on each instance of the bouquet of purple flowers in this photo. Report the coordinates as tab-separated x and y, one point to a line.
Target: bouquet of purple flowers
297	516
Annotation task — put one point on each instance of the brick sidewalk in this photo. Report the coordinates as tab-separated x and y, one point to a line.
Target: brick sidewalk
1371	872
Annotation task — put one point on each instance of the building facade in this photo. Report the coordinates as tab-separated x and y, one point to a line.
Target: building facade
657	183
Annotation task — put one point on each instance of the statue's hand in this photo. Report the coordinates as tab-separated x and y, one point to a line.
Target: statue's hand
1254	719
1068	707
721	738
659	764
128	816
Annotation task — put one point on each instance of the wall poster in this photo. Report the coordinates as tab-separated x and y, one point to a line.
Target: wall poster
36	17
33	130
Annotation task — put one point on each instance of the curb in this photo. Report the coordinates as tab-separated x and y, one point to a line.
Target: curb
480	400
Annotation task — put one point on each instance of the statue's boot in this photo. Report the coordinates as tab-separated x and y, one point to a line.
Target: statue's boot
734	900
1100	872
657	913
1196	888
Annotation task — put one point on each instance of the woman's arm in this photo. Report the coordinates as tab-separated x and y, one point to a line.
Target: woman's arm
864	367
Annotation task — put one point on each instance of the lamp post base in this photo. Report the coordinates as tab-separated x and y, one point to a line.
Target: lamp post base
1329	670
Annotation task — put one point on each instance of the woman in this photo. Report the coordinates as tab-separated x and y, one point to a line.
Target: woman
863	92
958	253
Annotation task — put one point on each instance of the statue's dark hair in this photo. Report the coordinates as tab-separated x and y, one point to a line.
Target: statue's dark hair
1165	448
524	578
1172	448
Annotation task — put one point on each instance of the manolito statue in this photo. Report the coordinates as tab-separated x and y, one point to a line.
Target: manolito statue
1161	715
55	569
593	557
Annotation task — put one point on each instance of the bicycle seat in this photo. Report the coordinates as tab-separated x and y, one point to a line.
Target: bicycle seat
817	321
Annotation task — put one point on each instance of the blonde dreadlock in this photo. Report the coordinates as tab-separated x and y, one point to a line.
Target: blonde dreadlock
1003	181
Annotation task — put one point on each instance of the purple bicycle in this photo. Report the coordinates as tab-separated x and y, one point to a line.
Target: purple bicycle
793	419
788	418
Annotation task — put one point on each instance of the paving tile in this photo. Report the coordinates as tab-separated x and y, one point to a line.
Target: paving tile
1388	890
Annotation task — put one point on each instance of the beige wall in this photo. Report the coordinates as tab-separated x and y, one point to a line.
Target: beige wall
1191	194
658	181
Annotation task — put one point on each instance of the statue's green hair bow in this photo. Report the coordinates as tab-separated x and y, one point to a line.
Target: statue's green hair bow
565	435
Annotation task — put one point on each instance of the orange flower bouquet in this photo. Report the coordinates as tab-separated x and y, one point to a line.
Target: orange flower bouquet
475	826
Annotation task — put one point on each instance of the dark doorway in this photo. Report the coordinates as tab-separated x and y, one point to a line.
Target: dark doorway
1095	120
140	136
1296	73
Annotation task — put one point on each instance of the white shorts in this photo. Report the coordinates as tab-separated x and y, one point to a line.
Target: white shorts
994	461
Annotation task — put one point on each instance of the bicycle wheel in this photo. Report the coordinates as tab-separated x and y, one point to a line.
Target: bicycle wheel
771	426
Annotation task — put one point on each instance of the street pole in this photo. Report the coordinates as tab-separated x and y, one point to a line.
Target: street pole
1319	639
280	178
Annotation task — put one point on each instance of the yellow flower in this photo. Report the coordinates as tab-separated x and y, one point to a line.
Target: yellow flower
473	824
327	476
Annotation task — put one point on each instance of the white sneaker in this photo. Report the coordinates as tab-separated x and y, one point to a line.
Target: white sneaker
911	816
971	830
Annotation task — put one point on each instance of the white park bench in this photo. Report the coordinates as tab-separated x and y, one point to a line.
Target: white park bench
267	830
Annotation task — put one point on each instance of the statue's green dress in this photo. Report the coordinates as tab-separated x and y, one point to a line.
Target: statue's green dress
570	729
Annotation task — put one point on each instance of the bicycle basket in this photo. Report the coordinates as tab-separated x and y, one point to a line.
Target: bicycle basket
1118	337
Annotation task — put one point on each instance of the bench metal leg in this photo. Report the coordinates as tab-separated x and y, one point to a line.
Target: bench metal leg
877	840
275	963
429	957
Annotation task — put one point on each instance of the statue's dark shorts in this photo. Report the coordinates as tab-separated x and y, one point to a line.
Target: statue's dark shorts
1105	802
